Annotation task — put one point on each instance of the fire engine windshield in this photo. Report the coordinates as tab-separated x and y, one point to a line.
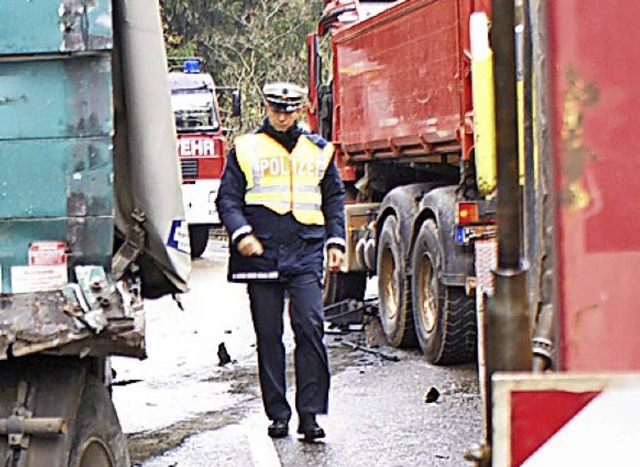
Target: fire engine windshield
193	102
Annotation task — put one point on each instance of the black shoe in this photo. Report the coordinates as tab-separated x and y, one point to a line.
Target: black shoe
309	427
278	429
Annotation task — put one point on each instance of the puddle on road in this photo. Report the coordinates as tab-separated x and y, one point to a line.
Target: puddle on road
143	446
159	415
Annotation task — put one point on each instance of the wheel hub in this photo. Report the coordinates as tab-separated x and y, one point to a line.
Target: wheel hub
428	308
390	284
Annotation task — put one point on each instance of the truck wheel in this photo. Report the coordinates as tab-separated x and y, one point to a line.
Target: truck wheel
395	313
444	316
198	236
97	439
343	286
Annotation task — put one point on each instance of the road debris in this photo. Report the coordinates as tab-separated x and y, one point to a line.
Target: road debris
223	355
379	353
432	395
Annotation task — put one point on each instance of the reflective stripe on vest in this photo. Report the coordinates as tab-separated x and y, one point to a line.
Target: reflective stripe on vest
281	181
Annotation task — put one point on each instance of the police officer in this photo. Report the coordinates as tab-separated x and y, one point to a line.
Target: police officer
282	202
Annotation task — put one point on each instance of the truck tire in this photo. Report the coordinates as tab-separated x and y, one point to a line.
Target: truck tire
393	298
342	286
96	437
444	316
198	236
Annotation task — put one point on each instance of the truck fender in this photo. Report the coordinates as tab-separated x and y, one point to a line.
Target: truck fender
439	204
403	203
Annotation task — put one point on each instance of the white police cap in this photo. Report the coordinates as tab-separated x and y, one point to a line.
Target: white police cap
283	96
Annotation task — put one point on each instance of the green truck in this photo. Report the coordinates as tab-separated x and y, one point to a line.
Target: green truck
91	219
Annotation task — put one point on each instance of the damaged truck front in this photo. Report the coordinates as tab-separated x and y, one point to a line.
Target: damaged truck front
86	138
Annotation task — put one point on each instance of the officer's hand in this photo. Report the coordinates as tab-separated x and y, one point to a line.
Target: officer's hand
335	257
250	246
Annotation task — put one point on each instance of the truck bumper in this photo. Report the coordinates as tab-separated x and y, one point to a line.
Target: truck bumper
72	321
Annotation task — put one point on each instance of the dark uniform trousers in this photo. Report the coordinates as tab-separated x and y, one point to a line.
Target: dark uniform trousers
311	363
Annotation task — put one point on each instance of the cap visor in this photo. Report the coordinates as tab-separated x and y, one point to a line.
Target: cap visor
284	108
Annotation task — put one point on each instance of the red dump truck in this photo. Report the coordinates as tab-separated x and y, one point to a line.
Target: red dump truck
530	106
395	98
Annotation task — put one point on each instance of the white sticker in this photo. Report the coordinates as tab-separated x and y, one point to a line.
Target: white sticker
179	236
47	254
27	279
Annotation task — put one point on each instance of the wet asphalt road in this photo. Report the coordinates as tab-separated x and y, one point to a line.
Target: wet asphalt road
179	407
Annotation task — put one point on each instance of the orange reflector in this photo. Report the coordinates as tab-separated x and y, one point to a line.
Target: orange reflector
467	213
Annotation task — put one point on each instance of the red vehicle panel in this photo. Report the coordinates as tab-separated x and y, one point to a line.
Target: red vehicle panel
202	156
596	91
402	84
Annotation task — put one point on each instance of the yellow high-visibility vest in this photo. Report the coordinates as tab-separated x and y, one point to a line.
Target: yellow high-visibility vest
281	181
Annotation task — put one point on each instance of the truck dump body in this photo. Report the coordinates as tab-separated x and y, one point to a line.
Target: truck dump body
73	176
398	107
57	208
55	138
91	218
401	88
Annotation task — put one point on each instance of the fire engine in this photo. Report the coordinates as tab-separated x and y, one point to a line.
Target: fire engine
202	144
489	150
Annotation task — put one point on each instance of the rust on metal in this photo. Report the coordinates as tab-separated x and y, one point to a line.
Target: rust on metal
395	150
72	20
579	95
79	28
50	322
426	146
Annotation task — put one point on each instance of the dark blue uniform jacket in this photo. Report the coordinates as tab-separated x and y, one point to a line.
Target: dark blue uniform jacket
290	247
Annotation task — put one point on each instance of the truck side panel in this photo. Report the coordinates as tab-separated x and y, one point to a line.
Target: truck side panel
69	97
57	183
596	122
57	162
399	81
61	25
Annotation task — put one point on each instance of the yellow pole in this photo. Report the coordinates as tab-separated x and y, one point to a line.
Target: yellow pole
483	103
